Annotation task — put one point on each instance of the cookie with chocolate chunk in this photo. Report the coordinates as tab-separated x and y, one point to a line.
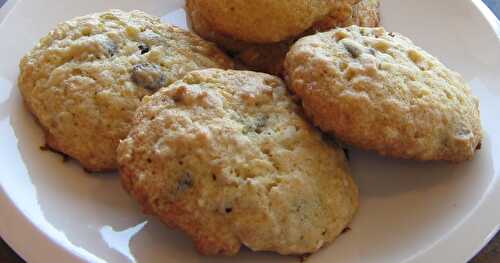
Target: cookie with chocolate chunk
226	157
85	79
379	91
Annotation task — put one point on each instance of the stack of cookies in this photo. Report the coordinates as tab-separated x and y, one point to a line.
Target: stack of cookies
237	157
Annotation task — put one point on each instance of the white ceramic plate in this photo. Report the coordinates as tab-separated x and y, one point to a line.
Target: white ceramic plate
52	211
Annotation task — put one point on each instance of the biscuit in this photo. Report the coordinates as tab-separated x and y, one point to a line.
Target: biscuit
345	13
261	21
379	91
85	79
225	157
269	58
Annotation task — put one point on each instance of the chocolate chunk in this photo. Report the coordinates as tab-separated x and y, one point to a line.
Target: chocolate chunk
257	125
108	45
353	48
144	49
185	182
148	75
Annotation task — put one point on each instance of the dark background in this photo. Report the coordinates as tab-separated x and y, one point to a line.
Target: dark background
490	254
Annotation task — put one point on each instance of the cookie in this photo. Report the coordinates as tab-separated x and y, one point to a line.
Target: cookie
85	79
261	21
269	58
225	157
346	13
378	91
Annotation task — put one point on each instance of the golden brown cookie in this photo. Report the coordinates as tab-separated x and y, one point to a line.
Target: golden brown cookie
85	79
378	91
261	21
225	157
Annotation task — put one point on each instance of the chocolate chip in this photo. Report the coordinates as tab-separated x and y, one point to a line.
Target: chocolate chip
353	48
229	210
257	125
260	123
144	49
185	182
109	46
148	75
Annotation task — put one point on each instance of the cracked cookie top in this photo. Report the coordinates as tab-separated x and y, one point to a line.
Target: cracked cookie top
226	157
378	91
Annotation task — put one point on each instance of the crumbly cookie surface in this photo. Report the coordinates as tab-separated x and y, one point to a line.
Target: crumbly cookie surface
269	58
84	80
378	91
225	157
262	21
366	14
347	13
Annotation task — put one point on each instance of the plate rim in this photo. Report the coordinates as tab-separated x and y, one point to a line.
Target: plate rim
54	249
